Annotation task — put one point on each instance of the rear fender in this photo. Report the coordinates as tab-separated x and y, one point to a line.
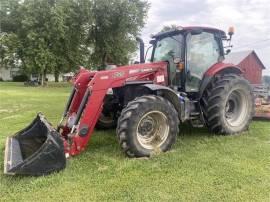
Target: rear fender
223	68
218	68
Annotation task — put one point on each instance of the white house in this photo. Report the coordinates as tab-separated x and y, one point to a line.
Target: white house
50	77
8	74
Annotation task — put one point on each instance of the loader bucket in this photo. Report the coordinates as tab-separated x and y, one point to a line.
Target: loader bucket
36	150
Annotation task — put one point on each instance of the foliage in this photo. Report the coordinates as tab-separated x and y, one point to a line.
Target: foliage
8	48
58	35
20	78
168	28
43	35
115	25
9	25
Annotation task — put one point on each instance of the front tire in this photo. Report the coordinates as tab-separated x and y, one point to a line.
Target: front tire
228	104
147	124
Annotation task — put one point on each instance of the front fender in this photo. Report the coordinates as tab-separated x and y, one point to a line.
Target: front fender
167	93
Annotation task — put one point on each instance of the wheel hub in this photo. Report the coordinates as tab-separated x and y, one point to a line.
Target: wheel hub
147	126
153	129
230	108
236	108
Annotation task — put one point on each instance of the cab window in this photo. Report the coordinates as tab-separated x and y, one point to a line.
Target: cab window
167	49
202	52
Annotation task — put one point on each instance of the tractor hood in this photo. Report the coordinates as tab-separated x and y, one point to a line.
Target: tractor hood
80	79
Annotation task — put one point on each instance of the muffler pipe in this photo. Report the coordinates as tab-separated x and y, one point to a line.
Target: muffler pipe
141	49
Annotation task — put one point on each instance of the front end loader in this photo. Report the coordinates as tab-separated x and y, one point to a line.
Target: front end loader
39	149
185	81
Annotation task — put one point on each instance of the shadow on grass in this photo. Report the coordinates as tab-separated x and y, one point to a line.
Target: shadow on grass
186	129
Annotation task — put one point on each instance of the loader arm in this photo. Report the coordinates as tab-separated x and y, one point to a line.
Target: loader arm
91	89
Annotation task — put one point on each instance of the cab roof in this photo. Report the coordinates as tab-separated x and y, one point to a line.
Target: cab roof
180	29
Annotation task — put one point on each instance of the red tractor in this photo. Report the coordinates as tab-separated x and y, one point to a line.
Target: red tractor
185	81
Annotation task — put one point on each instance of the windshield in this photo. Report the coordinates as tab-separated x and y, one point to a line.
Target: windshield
168	48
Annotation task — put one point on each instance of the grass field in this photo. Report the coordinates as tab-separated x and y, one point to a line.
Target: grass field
200	167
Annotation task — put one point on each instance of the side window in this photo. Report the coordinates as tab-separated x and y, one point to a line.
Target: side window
148	54
167	49
202	53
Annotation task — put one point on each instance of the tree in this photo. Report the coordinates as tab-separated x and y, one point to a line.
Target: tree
9	24
58	35
169	28
46	34
115	25
69	48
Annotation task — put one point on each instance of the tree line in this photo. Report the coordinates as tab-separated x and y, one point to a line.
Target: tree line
42	36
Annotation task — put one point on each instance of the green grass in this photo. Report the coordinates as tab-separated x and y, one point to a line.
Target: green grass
200	167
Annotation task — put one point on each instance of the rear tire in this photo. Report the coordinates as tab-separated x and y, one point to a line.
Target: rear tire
147	124
228	104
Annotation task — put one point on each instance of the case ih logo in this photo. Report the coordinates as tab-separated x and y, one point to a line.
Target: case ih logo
118	74
134	71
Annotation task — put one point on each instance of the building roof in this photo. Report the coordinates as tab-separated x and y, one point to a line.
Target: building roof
237	57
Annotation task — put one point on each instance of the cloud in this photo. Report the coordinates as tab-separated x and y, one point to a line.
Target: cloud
251	19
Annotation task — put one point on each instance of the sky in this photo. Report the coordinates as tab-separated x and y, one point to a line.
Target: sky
250	19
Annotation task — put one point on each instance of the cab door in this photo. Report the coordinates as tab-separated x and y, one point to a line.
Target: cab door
202	51
167	49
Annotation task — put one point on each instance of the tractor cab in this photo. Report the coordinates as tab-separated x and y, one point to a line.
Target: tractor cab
190	52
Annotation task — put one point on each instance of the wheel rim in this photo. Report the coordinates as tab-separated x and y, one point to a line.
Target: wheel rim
153	130
236	108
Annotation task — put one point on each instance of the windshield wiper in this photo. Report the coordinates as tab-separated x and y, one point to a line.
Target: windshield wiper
176	40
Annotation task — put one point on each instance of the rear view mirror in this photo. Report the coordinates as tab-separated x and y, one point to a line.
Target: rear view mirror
196	31
152	42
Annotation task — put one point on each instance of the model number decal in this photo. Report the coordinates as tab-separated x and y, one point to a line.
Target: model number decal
134	71
160	78
118	74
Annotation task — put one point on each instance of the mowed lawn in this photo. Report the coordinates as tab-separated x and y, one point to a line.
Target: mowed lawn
200	167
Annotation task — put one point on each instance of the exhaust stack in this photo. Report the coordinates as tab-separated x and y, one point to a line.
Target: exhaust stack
141	49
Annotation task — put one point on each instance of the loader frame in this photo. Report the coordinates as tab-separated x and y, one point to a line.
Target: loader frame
86	100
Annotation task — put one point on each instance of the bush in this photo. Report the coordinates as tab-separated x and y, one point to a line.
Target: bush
1	79
20	78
